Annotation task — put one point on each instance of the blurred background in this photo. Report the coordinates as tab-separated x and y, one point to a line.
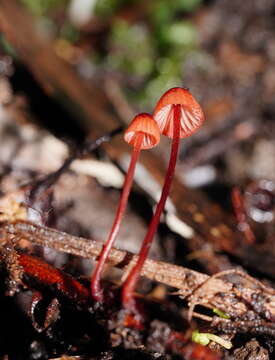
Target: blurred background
135	50
81	68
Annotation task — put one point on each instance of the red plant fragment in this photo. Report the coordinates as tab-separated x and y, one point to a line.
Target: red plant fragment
131	321
178	343
199	352
47	275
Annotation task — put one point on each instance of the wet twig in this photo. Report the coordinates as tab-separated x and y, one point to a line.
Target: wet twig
217	293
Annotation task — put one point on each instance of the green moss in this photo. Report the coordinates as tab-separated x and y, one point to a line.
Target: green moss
181	33
131	49
41	7
107	7
188	5
69	32
149	53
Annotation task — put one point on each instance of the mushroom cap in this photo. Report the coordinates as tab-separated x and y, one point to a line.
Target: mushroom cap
191	118
146	125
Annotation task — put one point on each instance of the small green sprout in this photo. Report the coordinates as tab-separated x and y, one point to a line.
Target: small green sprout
220	313
205	338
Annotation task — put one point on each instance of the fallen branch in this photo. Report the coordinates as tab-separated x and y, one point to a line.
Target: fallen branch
198	288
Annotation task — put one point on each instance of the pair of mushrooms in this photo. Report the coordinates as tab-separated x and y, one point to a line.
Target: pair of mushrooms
177	115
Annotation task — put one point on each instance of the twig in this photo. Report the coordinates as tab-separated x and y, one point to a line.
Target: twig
218	293
88	147
168	274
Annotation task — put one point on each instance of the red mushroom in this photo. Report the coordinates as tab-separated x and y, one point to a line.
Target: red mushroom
142	133
178	115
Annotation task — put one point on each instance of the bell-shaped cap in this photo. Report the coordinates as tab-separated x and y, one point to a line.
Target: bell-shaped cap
191	114
146	125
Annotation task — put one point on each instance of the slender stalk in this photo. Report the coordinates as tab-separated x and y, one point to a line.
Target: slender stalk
96	290
130	283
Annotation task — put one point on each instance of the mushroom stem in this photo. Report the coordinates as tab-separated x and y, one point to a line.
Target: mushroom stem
131	281
96	289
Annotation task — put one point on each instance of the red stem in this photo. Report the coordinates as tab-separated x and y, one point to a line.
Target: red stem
96	290
130	283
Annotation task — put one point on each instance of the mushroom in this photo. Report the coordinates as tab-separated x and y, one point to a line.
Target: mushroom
178	115
142	133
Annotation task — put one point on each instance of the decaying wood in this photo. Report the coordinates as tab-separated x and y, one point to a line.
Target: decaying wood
197	287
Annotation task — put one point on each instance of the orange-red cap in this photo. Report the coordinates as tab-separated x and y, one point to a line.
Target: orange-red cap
192	115
146	125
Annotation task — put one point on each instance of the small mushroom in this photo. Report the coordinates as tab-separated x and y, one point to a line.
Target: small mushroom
178	115
190	116
142	133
